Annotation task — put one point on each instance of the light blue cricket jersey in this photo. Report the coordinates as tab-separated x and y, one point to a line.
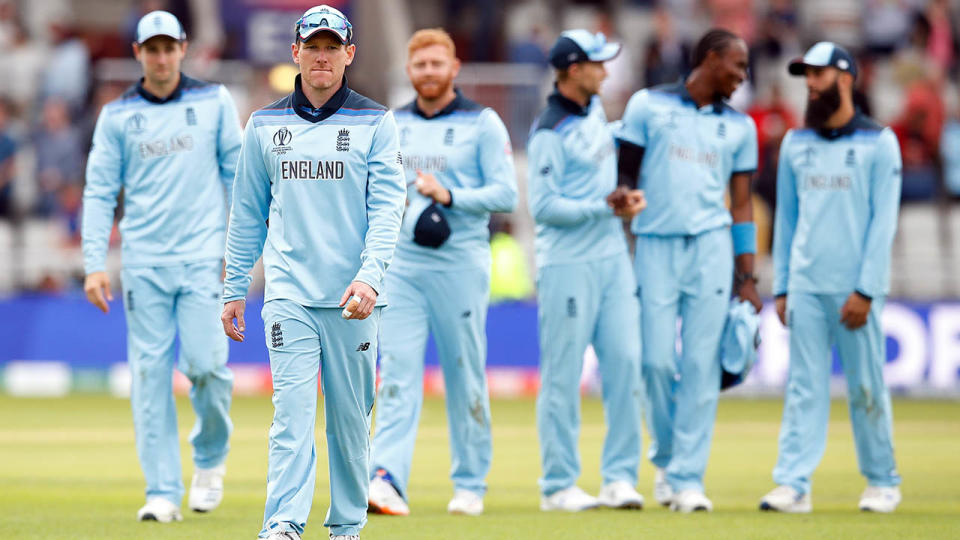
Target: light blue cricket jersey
838	195
467	148
175	160
573	167
320	192
689	155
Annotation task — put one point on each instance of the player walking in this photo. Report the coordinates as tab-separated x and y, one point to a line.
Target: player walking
459	168
585	284
838	193
171	143
321	167
687	146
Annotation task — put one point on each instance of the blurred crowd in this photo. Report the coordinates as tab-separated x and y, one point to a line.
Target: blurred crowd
51	93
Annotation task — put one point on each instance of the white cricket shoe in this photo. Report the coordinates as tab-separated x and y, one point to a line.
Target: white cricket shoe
159	509
691	500
620	495
880	499
788	500
662	491
344	537
206	490
572	499
385	499
466	503
284	535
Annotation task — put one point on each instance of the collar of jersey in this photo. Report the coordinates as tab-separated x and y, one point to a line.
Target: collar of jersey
175	95
844	130
567	104
685	96
449	109
306	110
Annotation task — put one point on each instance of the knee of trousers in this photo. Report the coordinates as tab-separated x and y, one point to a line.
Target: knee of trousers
206	375
871	401
658	371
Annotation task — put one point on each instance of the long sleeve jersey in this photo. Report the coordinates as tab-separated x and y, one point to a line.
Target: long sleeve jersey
175	160
467	148
573	167
838	195
320	193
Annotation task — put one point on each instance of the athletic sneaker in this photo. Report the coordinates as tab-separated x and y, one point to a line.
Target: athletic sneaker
345	537
880	499
466	503
662	491
620	494
786	499
572	499
384	498
691	500
206	490
159	509
284	535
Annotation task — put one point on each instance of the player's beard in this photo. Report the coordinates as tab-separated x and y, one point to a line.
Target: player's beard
434	91
821	108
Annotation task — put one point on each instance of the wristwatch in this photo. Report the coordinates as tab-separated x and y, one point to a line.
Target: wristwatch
741	277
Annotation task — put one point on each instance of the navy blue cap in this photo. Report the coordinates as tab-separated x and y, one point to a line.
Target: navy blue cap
575	46
824	54
432	228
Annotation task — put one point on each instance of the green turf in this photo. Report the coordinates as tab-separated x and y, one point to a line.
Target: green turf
68	469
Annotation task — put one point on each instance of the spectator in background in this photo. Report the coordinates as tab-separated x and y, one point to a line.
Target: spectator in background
940	45
665	59
886	26
67	74
21	66
8	23
918	129
60	162
773	117
8	150
912	63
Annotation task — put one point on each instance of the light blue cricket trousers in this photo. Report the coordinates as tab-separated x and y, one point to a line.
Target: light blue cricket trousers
160	303
304	344
814	321
688	277
452	306
579	304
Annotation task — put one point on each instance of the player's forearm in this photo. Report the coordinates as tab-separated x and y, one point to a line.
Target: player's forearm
498	197
97	222
563	212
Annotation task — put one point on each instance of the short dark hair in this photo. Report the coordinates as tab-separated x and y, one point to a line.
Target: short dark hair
716	39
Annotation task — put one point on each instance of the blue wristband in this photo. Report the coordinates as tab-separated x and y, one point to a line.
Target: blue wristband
744	238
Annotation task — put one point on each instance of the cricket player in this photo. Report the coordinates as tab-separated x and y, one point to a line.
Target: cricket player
585	286
838	193
459	167
319	192
688	147
171	143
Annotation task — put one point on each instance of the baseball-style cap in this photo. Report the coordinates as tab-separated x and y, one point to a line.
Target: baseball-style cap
432	228
159	23
738	345
575	46
824	54
324	18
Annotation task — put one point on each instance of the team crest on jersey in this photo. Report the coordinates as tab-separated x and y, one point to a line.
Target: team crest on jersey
343	140
722	130
404	135
851	158
671	120
807	157
191	116
137	123
281	141
448	137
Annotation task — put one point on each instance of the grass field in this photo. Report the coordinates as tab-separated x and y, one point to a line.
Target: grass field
68	469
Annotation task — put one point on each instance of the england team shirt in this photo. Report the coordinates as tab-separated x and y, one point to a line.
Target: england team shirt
690	152
838	195
467	148
175	160
320	192
573	167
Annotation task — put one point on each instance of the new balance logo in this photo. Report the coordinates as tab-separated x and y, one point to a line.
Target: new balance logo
851	158
343	141
130	300
363	346
276	336
722	130
571	307
191	116
448	137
